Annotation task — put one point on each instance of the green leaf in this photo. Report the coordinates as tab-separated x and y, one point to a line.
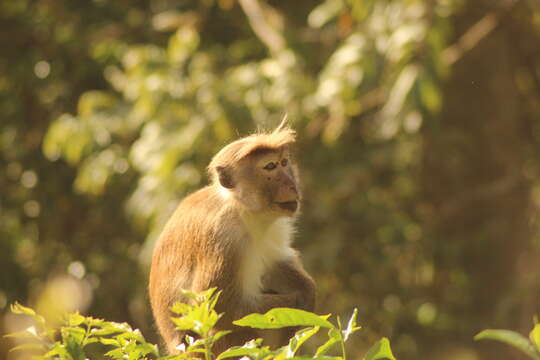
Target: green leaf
429	94
23	310
75	319
68	137
176	357
325	12
283	317
180	308
94	101
299	338
28	347
75	333
323	349
200	297
147	348
511	338
134	335
249	348
115	354
315	358
20	309
105	331
218	335
182	44
381	350
90	340
334	337
112	342
535	337
58	350
74	348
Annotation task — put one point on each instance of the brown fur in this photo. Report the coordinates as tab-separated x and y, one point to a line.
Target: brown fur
205	243
231	154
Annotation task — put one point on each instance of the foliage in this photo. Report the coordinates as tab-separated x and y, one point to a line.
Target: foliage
78	333
73	339
530	346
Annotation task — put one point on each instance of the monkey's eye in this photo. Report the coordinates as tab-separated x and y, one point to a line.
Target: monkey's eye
284	162
270	166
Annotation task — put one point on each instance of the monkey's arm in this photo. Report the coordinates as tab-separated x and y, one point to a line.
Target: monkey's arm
233	302
289	277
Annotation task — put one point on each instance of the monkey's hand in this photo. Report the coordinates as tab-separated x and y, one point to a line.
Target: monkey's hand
288	278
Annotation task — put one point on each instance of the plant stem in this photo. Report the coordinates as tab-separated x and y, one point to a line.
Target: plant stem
341	339
343	349
208	352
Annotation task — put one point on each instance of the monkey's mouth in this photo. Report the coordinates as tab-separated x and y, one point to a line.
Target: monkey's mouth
289	205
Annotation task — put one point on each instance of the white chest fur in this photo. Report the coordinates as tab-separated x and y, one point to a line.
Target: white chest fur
270	242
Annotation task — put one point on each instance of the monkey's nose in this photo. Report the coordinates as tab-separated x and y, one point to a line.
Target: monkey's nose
288	183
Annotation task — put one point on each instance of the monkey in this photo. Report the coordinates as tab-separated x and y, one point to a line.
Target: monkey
235	234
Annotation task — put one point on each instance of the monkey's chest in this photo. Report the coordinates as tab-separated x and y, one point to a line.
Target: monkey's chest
263	251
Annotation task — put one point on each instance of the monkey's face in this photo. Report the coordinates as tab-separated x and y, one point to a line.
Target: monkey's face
268	182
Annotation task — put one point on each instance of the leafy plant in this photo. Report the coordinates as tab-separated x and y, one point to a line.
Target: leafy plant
530	346
72	340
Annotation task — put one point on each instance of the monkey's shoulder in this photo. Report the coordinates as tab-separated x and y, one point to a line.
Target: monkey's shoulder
202	216
205	200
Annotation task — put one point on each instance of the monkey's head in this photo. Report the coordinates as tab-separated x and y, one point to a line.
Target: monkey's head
257	172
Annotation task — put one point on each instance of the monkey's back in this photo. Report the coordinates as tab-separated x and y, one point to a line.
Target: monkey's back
186	239
187	249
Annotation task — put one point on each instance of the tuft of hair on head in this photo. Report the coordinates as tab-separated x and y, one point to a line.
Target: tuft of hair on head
262	141
284	124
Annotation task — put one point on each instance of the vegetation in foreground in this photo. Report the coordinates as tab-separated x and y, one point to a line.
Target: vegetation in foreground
80	337
530	346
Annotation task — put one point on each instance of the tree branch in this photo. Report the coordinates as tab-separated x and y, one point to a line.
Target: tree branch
262	28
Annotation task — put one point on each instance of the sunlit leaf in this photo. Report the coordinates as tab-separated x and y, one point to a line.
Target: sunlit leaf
180	308
324	348
60	350
182	44
535	337
73	343
511	338
299	338
283	317
430	94
75	319
68	137
94	101
397	99
73	333
249	348
39	347
325	12
104	331
380	351
218	335
315	358
112	342
17	308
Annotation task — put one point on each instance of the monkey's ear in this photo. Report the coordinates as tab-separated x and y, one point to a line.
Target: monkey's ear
224	177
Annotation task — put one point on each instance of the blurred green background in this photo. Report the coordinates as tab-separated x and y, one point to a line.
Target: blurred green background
419	144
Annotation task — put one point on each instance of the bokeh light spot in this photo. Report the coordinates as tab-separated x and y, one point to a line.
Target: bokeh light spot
42	69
